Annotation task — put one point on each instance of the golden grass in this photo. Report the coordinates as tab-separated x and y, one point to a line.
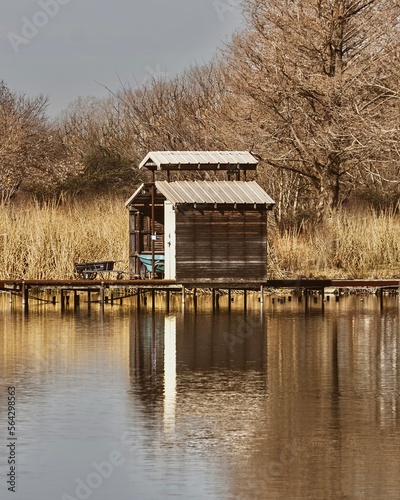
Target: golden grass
356	245
45	240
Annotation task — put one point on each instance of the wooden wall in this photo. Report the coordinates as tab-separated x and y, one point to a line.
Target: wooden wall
221	245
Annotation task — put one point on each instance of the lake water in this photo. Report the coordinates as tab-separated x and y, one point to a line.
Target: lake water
279	404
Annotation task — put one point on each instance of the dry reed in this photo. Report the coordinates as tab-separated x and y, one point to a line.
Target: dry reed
349	245
44	240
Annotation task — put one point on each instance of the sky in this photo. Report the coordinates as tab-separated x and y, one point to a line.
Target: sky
70	48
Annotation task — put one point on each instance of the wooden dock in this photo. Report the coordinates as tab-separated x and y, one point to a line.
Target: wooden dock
118	290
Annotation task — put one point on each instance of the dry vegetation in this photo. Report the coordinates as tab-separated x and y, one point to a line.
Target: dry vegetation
348	245
310	87
43	240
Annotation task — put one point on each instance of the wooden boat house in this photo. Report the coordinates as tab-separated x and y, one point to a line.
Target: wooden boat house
199	230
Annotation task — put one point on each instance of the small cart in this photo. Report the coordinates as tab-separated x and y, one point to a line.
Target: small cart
104	270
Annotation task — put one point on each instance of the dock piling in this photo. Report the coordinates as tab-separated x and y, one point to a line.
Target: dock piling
25	297
72	289
195	299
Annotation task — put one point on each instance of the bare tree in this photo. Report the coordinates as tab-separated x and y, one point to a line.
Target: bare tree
175	113
317	86
100	144
26	148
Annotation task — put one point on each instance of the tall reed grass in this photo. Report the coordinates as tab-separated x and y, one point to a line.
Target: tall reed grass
44	240
349	245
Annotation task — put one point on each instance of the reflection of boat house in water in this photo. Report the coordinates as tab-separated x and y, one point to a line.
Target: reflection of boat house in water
199	230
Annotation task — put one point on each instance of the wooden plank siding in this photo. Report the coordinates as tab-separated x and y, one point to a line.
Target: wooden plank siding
221	245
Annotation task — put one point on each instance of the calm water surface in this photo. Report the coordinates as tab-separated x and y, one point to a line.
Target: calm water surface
284	404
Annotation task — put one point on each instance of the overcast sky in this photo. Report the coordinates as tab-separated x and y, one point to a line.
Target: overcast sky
70	48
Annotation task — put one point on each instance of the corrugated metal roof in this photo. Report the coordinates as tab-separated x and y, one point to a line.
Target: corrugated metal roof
212	192
199	160
142	195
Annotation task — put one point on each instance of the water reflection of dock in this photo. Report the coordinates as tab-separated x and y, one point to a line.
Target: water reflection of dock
289	387
69	292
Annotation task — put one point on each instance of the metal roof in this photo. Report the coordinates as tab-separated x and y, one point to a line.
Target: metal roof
214	192
142	195
135	195
199	160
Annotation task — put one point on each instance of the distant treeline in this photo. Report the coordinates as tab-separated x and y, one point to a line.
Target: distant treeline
310	87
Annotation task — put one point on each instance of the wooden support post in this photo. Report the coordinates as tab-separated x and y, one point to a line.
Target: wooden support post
167	300
262	295
138	299
25	297
62	300
76	300
112	298
217	295
323	299
89	299
183	298
213	299
195	299
153	299
102	299
306	299
245	301
229	299
153	226
381	298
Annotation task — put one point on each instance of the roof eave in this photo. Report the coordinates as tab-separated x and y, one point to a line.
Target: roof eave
199	160
225	206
